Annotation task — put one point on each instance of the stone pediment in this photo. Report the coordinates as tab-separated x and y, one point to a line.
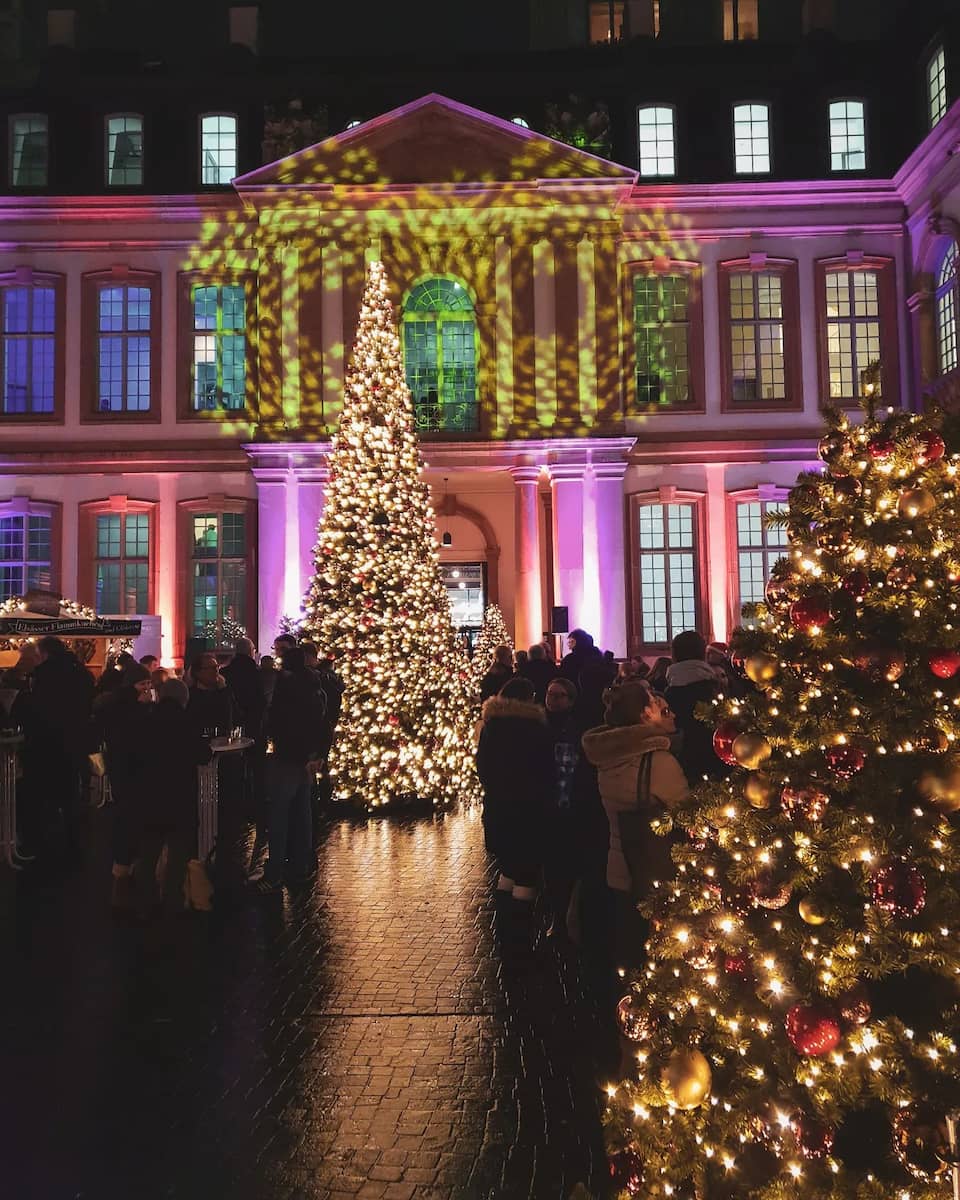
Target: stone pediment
435	142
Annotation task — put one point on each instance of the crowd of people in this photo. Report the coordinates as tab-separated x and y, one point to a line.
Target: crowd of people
148	729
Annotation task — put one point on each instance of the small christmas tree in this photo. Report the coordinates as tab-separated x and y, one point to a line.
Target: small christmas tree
377	602
493	633
795	1029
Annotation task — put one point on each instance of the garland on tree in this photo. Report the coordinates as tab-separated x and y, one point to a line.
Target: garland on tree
795	1028
377	603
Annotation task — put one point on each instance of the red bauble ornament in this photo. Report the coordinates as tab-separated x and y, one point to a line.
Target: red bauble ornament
854	1005
932	449
814	1137
900	578
811	612
857	583
813	1029
899	889
626	1171
725	734
393	719
844	761
766	892
780	592
944	663
881	664
831	448
633	1017
881	446
738	965
806	804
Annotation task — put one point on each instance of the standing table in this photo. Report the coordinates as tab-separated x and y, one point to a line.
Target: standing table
208	792
8	800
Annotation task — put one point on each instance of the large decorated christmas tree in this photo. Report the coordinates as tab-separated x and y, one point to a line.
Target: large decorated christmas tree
794	1031
377	602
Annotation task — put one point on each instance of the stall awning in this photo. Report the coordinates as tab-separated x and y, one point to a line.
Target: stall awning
27	626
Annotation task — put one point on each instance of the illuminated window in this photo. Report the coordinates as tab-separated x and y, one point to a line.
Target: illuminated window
26	557
520	121
661	325
848	138
219	347
757	350
218	148
28	150
759	546
606	20
123	348
27	347
466	591
124	150
666	541
352	124
948	294
656	18
218	601
937	87
440	357
853	334
751	138
122	563
657	143
741	21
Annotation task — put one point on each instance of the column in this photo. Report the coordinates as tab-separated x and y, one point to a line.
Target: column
290	333
272	541
311	490
503	282
166	566
717	609
605	556
566	482
331	326
545	332
528	621
587	331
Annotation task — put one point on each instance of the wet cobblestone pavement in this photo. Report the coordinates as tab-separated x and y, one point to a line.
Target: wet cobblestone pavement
384	1034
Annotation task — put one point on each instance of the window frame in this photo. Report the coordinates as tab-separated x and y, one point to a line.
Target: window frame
763	494
788	270
733	8
768	109
672	173
610	40
114	506
887	318
186	282
935	79
406	318
695	350
218	113
665	496
12	150
186	511
91	284
950	287
25	506
27	277
866	134
114	116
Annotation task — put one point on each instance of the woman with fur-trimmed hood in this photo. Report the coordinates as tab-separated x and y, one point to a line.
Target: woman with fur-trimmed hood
515	763
639	778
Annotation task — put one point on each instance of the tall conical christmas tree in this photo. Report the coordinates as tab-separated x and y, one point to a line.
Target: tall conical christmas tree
377	602
493	633
795	1028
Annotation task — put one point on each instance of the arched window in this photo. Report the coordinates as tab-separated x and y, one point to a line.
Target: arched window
948	302
440	356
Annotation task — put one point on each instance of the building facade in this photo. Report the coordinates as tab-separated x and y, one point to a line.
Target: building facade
616	373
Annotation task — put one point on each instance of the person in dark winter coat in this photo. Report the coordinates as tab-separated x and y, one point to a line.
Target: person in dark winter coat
515	763
168	811
245	681
691	681
582	651
212	705
501	670
539	670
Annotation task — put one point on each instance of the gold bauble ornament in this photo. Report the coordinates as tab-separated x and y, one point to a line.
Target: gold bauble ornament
916	502
750	750
940	785
687	1078
759	789
813	911
761	668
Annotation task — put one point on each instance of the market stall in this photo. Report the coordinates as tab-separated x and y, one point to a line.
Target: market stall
26	619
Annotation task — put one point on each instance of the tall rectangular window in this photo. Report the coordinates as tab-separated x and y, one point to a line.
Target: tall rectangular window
219	576
668	576
25	555
759	546
751	139
657	141
757	350
29	150
741	20
218	148
937	87
661	328
219	347
124	160
122	563
848	136
606	20
28	349
123	348
853	334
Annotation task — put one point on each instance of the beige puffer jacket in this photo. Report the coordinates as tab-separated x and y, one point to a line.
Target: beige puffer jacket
636	855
